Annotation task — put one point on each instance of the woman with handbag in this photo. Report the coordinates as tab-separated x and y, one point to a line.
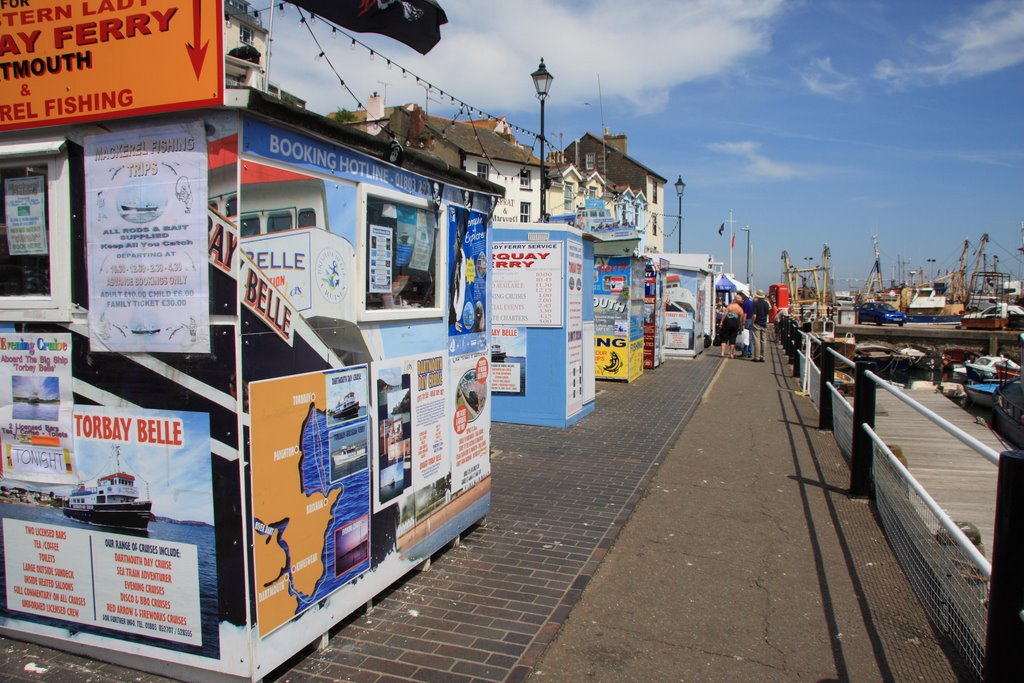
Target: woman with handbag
732	323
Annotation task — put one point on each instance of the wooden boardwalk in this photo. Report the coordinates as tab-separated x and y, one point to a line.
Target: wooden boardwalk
960	480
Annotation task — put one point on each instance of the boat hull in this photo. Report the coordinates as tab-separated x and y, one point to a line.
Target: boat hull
1008	413
121	515
926	319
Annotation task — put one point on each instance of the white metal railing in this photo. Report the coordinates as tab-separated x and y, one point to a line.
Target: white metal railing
947	572
842	422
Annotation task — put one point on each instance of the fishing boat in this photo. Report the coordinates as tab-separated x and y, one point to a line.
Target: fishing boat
928	306
113	502
881	357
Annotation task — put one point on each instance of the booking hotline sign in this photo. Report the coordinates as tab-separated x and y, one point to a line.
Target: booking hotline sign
64	61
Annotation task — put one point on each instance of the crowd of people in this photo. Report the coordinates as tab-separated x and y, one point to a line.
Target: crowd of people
741	326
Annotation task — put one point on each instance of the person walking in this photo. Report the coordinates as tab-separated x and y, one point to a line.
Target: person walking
748	311
762	310
732	323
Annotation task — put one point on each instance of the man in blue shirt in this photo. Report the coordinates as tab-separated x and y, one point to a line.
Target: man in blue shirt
762	311
748	311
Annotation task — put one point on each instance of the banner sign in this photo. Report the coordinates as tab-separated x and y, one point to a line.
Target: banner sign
64	62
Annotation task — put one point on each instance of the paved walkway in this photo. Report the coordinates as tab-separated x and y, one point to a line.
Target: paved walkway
694	528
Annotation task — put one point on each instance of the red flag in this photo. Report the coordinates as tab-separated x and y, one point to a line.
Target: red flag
732	245
417	23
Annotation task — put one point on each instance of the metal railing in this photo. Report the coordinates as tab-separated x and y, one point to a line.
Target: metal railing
975	603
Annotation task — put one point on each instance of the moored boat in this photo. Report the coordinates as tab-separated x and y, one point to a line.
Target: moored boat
1008	412
981	393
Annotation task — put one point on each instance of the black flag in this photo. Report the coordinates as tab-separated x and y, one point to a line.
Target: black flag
417	23
721	228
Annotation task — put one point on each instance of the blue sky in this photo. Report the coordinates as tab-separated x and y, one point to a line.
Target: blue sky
814	122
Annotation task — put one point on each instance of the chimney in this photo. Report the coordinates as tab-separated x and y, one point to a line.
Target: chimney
618	141
374	113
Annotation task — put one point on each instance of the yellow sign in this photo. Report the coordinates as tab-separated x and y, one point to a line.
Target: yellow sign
63	62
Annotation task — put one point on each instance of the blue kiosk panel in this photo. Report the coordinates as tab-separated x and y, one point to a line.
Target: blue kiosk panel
542	349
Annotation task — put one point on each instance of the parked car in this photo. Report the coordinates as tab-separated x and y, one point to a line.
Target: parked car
997	316
880	313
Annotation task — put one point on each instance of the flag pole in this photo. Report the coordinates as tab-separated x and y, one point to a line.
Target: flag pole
732	241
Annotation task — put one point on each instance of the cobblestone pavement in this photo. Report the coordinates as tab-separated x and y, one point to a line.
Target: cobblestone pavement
486	610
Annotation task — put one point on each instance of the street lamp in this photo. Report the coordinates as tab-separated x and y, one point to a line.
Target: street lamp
680	188
932	268
542	83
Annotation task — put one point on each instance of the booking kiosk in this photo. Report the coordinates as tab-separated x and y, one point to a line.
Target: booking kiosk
654	312
618	305
542	335
245	381
689	315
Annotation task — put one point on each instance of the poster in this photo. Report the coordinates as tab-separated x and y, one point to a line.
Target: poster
146	228
36	408
310	489
25	211
528	283
470	420
412	415
130	551
574	329
467	256
508	360
380	259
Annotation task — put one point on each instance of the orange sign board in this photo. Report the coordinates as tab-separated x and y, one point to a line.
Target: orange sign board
64	61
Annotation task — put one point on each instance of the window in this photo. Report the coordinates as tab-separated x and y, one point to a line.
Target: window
34	229
590	158
245	34
401	255
483	170
524	212
279	221
654	225
569	194
525	177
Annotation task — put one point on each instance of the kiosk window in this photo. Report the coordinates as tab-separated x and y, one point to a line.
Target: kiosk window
401	259
24	230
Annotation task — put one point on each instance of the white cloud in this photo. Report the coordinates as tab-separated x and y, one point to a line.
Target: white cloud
822	78
990	38
640	50
758	165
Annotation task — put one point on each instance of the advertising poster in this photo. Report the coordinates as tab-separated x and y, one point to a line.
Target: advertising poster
380	259
574	329
147	239
528	282
611	357
681	308
128	553
467	290
611	296
412	411
310	489
471	420
508	360
35	409
25	205
99	60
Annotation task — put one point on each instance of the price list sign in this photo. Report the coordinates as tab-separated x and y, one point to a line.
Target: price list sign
527	284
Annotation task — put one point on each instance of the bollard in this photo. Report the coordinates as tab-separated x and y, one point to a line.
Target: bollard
1004	656
862	451
828	375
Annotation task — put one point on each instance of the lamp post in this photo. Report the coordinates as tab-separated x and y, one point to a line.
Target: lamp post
746	229
680	188
542	84
932	268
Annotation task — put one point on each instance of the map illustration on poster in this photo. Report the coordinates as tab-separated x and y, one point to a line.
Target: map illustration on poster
310	483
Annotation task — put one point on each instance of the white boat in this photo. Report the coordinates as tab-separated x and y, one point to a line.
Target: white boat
987	368
981	394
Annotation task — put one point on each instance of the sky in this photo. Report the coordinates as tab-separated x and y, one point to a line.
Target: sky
808	122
